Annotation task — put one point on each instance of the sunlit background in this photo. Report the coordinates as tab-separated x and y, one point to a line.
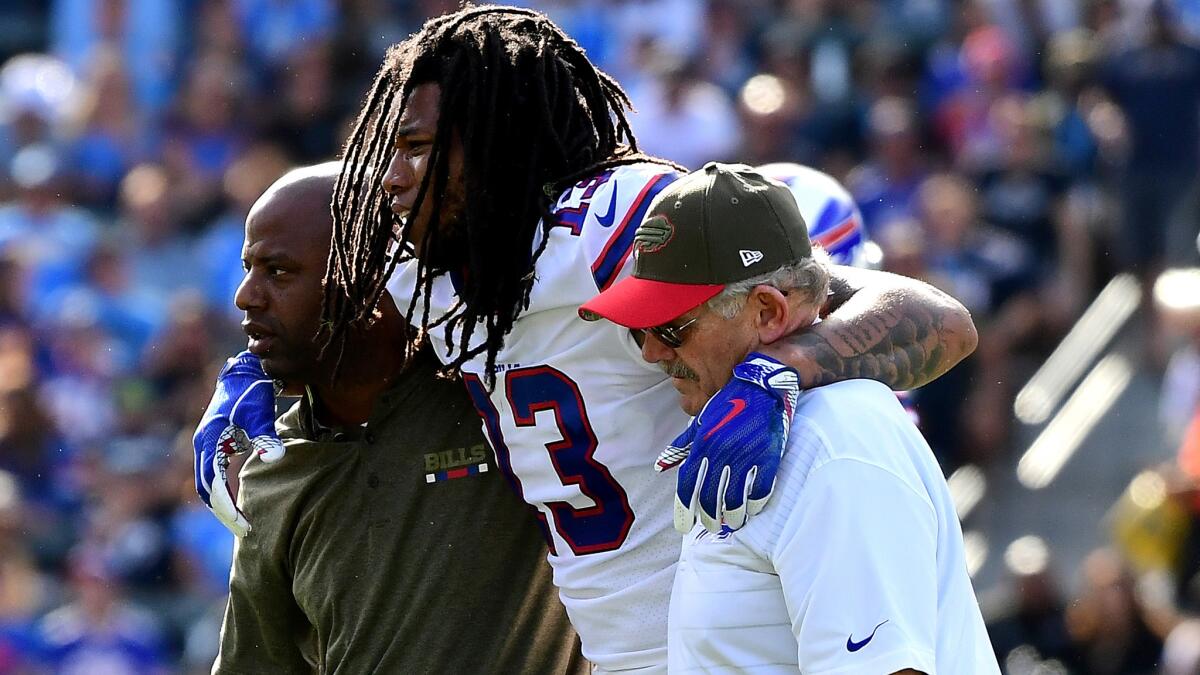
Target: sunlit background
1035	158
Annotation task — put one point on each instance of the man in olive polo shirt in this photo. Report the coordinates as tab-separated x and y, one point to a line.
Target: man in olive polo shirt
385	541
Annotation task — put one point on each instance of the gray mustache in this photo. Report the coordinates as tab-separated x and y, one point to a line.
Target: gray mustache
678	368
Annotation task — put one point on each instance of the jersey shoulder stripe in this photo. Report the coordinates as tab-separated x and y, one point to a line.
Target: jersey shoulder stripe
616	251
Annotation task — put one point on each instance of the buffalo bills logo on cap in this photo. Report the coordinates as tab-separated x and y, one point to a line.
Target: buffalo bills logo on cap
653	234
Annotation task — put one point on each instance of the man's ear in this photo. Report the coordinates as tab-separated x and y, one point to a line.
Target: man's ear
772	314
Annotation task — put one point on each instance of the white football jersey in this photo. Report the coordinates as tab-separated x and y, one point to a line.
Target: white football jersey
577	419
855	566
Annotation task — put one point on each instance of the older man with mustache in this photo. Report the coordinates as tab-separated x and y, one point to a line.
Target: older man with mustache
857	563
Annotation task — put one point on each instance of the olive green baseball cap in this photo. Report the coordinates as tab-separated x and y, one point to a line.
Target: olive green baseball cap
718	225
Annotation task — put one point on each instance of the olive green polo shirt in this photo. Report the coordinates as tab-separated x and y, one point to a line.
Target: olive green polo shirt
395	547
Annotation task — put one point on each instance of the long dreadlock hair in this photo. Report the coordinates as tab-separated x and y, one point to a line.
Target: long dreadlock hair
534	115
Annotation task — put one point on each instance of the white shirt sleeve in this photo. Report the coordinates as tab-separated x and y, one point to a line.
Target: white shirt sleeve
865	600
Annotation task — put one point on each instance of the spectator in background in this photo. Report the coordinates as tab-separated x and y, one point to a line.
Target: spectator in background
274	31
683	118
1117	26
1020	187
216	29
815	127
827	35
190	336
31	451
902	244
917	23
674	27
1157	86
982	266
123	529
1021	193
301	111
204	135
1033	626
100	631
1084	147
1029	24
77	384
161	259
965	121
50	235
992	273
127	312
1071	72
727	60
885	186
904	247
1107	621
146	33
782	116
107	136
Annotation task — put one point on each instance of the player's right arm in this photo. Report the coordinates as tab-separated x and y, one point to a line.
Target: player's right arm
880	326
240	418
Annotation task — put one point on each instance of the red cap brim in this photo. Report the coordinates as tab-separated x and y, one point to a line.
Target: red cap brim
642	303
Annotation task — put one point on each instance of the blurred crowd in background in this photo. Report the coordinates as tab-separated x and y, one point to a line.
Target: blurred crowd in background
1016	153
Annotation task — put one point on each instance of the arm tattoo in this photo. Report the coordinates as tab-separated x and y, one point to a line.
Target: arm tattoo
879	326
904	350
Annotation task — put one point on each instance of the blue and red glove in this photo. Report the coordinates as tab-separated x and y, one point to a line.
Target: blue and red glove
729	455
240	418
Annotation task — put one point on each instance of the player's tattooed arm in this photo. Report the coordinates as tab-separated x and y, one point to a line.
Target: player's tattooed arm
880	326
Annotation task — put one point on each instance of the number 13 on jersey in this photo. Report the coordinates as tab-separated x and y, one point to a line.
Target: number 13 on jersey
543	389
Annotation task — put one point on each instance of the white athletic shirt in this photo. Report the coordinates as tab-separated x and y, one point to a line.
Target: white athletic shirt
855	566
577	419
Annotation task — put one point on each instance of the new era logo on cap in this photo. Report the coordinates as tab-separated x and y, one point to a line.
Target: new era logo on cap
750	257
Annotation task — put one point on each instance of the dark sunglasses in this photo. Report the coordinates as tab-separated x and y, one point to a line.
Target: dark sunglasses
672	336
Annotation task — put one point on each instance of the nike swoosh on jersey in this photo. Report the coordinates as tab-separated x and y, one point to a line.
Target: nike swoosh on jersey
738	406
852	646
606	219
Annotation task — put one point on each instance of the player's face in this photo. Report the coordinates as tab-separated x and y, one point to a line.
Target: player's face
709	347
410	162
284	256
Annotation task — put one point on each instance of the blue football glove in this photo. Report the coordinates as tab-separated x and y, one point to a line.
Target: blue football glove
730	452
240	418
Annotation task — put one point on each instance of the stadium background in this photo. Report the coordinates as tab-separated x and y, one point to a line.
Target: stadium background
1035	158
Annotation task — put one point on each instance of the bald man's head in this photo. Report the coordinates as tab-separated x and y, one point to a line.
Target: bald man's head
285	253
301	197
